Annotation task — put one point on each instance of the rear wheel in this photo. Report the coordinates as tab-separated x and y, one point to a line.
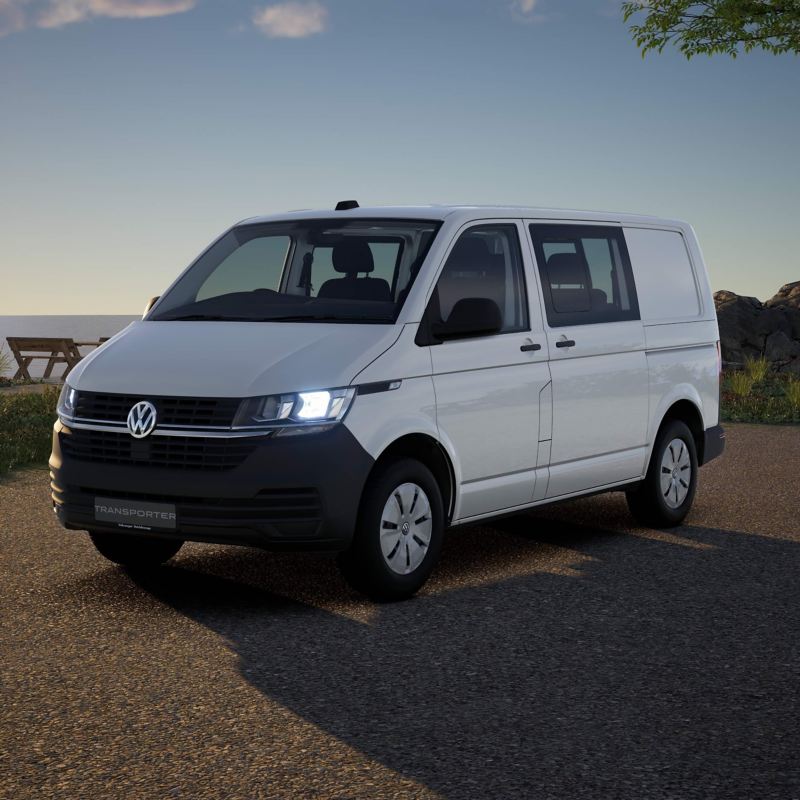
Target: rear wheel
665	496
135	552
399	532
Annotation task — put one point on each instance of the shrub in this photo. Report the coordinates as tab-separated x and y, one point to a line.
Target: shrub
793	392
26	428
741	383
756	368
5	362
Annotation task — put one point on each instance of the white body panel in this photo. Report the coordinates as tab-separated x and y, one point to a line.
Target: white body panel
600	406
231	359
519	428
487	407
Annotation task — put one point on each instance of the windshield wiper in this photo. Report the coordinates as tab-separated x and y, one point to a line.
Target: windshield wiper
202	317
322	317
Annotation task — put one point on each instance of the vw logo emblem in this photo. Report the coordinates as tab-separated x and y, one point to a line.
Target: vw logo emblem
142	419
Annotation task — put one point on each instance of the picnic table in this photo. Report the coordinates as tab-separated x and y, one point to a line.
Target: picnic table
55	350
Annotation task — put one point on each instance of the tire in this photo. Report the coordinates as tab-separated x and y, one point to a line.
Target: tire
135	552
665	503
392	563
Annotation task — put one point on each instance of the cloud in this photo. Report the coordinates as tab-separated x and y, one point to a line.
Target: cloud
15	15
12	16
292	20
525	11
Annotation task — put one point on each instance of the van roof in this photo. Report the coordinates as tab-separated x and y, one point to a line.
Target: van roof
466	213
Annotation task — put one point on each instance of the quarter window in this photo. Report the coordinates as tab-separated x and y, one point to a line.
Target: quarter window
484	263
586	274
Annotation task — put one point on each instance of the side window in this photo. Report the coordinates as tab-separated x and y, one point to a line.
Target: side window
664	274
257	264
586	274
485	262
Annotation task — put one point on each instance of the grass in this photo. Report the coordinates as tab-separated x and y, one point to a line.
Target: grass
741	383
793	392
774	399
5	362
26	428
756	368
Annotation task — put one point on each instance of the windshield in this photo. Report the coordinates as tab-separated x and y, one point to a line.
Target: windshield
356	270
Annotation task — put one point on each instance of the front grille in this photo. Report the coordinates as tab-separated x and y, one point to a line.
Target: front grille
171	411
175	452
270	504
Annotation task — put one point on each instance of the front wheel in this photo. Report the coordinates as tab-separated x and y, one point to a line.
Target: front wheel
664	497
399	532
135	552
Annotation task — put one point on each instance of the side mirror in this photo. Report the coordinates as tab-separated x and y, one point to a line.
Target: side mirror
470	316
150	303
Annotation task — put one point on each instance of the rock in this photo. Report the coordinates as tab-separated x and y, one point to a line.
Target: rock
750	328
787	301
779	347
788	295
723	296
792	366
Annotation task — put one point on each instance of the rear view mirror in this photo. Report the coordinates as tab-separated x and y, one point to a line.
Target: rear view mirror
150	303
470	316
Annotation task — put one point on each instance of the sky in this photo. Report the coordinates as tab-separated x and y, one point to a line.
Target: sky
132	132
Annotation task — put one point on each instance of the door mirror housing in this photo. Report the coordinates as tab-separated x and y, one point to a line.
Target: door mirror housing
150	303
470	316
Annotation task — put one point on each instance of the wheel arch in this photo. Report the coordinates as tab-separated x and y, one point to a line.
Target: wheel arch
689	413
430	452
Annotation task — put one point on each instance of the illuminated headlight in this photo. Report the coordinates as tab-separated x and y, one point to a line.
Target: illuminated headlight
67	401
304	409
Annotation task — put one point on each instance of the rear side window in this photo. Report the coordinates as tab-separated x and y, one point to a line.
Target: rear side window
664	274
586	274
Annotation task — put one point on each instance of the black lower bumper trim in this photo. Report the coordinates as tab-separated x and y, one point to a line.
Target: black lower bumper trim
714	444
301	492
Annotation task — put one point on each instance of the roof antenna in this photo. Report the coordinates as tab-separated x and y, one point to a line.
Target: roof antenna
346	205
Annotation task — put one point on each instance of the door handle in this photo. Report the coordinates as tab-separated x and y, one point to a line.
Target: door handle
565	343
529	347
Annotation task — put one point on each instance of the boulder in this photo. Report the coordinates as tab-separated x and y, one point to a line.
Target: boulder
788	295
750	328
779	347
787	301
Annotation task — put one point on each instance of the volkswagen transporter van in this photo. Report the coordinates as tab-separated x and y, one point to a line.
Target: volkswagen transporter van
360	380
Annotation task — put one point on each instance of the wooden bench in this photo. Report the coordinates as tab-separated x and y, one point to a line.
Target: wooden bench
55	350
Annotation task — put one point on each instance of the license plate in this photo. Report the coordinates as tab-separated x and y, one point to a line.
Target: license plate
135	514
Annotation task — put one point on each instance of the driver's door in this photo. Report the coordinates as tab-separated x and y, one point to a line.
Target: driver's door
487	387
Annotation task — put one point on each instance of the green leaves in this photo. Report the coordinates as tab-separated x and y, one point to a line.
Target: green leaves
26	428
715	26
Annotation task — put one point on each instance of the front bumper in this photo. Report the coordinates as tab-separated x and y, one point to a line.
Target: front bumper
288	492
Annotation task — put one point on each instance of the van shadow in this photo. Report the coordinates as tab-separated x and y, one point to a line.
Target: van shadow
650	670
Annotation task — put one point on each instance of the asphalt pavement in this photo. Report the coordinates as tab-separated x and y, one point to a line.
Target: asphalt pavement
565	653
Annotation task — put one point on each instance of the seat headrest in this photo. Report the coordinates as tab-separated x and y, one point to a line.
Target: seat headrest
470	253
351	256
566	269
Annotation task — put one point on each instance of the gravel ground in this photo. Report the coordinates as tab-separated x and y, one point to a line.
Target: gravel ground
561	654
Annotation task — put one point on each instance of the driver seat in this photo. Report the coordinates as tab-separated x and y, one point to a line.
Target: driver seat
350	257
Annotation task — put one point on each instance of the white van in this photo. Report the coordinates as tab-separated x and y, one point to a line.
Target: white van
359	380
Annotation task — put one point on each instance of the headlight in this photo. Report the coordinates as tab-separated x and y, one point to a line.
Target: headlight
67	401
318	410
